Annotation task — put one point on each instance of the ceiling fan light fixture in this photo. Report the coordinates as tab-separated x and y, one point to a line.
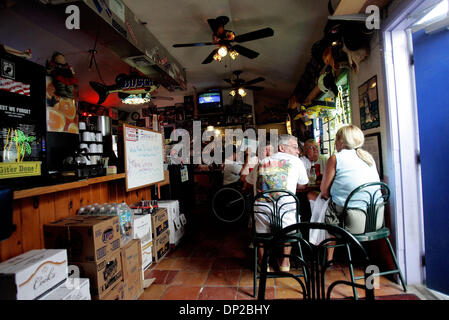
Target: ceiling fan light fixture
223	51
217	57
242	92
232	93
137	99
233	54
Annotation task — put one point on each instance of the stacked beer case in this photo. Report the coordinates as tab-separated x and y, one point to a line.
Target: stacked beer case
41	275
176	220
93	248
143	231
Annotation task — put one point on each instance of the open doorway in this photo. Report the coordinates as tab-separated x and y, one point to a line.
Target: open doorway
415	39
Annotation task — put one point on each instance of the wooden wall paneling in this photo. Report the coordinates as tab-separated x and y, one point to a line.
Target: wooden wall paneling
46	212
62	205
103	192
85	198
121	190
74	201
95	193
31	227
12	246
112	191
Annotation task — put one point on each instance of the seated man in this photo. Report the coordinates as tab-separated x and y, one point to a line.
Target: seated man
231	169
312	156
282	170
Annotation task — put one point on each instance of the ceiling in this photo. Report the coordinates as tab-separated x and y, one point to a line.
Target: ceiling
297	24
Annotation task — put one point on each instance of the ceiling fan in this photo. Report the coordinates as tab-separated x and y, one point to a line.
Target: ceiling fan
237	83
222	38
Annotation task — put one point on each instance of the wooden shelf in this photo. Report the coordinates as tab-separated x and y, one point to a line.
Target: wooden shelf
65	186
20	194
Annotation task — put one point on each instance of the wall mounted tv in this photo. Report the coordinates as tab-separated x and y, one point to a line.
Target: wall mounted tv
210	102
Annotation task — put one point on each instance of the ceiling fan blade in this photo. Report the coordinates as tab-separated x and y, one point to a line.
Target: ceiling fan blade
254	81
213	24
196	44
245	51
210	57
254	88
228	81
258	34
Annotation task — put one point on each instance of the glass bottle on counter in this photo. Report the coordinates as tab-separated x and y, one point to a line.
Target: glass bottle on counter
312	175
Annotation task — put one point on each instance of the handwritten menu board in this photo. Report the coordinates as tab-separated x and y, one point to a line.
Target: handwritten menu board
144	162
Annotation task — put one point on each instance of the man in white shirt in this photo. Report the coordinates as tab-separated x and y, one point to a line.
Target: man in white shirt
231	169
312	156
282	170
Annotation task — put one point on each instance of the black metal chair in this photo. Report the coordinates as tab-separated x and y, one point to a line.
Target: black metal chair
275	204
365	206
312	260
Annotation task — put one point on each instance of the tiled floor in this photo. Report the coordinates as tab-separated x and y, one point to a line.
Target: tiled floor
213	262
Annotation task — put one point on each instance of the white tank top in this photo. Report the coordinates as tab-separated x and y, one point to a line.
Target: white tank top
351	172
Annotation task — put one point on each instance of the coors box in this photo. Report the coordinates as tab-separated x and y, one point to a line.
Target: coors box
103	276
161	246
86	238
159	222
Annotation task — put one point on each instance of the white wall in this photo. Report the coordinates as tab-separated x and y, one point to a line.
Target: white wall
368	68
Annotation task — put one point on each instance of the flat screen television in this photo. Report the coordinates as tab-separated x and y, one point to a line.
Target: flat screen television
210	102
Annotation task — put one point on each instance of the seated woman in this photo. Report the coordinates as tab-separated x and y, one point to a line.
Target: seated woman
349	168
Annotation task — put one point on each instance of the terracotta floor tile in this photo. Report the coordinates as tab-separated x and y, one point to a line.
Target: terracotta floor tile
171	276
164	264
288	293
160	276
223	278
191	277
287	283
246	279
196	263
218	293
181	293
228	263
246	293
153	292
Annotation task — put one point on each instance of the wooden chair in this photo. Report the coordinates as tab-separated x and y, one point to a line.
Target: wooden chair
313	261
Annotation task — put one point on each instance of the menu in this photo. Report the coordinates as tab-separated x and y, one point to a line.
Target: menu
144	162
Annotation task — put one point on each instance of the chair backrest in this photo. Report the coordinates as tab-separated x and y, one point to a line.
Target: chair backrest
312	259
369	199
275	204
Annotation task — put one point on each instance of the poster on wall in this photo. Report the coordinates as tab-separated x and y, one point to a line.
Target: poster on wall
373	146
369	104
62	115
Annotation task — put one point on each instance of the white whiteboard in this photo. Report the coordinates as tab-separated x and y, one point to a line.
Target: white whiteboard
144	161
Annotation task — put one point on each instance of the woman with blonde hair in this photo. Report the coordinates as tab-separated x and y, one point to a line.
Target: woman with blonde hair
347	169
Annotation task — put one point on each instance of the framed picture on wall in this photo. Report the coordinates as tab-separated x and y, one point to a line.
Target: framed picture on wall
374	147
369	104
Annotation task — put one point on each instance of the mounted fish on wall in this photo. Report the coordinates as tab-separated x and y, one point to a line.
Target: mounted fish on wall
125	85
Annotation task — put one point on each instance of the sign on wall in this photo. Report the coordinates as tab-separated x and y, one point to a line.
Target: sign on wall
369	105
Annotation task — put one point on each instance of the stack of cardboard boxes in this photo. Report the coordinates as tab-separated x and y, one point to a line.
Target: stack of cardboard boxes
93	247
161	234
143	232
176	220
41	275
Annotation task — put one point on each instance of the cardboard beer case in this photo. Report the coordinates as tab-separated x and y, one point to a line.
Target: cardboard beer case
117	293
159	222
142	228
86	238
147	256
161	246
103	276
72	289
32	274
176	220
